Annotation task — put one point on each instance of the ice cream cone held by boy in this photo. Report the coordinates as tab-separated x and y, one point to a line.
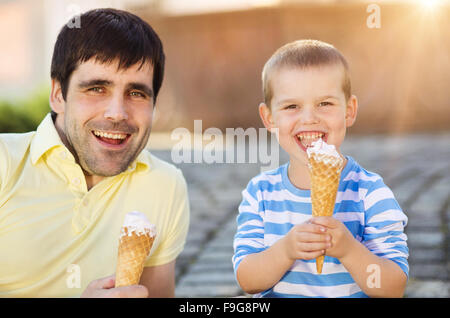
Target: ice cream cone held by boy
307	99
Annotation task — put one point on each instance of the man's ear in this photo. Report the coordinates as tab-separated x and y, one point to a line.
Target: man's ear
266	116
351	111
56	99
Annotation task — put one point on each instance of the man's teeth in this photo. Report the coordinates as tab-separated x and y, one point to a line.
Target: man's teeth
108	135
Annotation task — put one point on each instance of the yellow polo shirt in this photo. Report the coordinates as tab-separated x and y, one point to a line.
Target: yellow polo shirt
56	236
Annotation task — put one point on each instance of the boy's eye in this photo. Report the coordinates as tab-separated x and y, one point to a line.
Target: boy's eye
293	106
325	104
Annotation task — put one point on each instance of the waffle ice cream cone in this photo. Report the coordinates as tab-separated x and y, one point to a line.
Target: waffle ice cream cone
136	240
325	165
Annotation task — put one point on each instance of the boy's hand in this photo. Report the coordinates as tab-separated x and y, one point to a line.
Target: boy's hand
341	237
306	241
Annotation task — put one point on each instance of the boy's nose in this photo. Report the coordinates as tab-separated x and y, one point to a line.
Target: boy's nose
308	116
116	109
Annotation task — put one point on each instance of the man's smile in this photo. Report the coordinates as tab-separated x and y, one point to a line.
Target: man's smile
111	138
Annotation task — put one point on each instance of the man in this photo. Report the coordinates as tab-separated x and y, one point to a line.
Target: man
65	189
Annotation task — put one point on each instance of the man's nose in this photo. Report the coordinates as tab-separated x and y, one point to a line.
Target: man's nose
116	109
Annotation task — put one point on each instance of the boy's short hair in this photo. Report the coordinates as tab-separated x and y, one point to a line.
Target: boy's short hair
106	35
304	54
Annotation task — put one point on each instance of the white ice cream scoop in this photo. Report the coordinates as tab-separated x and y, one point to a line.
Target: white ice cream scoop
321	147
137	222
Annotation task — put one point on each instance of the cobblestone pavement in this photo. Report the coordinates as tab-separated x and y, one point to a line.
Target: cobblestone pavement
419	178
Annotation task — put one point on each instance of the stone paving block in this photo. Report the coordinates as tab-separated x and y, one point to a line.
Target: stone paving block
426	256
196	236
203	224
208	278
221	246
425	239
226	242
418	212
215	257
189	252
433	198
427	289
430	205
421	221
436	271
220	290
211	267
407	191
208	282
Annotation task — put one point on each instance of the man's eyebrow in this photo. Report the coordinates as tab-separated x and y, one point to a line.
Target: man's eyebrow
141	87
94	82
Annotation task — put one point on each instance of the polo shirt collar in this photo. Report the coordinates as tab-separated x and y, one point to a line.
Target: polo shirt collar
142	163
47	138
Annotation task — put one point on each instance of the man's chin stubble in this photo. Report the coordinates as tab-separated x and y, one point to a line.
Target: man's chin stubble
92	169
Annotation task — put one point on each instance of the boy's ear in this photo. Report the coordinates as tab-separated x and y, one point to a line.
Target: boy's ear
266	116
351	111
56	99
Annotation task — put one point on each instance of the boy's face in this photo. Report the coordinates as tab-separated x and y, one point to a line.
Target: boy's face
307	104
106	118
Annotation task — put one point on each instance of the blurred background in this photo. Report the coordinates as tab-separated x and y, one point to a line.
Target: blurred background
399	56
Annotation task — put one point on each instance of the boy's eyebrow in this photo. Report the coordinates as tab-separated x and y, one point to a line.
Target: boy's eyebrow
296	100
287	101
328	96
141	87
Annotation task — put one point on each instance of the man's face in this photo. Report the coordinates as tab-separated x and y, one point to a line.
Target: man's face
308	104
107	115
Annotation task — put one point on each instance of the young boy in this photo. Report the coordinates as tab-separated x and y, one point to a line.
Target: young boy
308	96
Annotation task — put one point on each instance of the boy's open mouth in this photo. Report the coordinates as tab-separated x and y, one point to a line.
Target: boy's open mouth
306	138
111	138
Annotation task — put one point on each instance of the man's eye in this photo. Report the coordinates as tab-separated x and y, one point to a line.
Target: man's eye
96	89
137	94
293	106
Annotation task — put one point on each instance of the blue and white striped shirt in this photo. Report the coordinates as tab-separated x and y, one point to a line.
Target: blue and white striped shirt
272	205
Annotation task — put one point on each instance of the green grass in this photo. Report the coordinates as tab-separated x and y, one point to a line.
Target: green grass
24	115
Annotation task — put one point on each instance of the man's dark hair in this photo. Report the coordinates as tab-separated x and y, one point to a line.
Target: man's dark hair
107	35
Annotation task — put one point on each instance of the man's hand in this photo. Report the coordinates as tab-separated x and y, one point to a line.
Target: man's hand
341	237
104	288
306	241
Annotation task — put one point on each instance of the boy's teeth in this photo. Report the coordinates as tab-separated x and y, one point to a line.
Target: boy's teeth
110	136
308	138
